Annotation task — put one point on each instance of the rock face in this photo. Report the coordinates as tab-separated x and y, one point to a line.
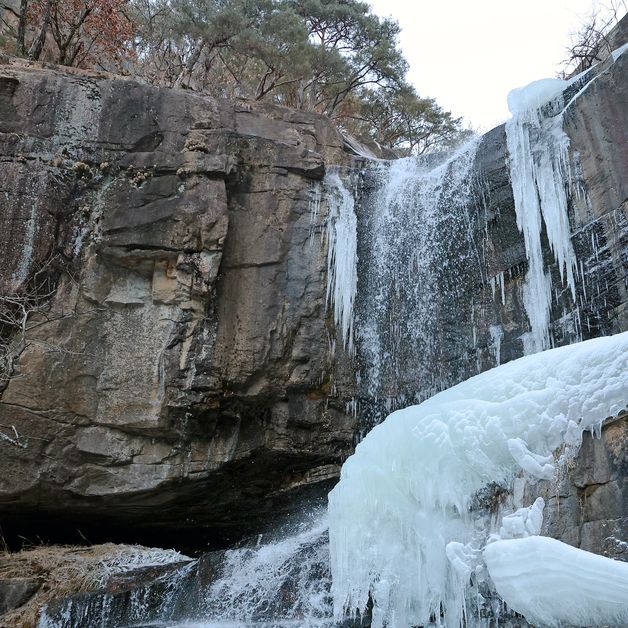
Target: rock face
588	508
175	368
176	380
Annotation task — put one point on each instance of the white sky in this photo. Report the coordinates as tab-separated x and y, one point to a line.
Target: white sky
468	54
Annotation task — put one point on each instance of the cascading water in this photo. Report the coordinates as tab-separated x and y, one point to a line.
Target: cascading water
284	583
419	251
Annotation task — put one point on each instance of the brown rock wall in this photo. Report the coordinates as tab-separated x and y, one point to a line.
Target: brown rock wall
174	379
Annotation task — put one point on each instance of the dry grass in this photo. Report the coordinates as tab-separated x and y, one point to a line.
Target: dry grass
66	570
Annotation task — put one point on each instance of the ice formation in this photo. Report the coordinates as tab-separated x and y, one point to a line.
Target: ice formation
342	257
497	334
553	584
26	258
523	522
539	171
542	182
406	492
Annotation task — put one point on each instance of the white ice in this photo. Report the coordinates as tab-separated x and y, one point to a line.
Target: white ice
554	584
539	172
523	522
406	492
541	176
534	95
342	256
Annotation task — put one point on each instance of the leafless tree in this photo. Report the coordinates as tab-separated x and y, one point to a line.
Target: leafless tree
21	312
591	43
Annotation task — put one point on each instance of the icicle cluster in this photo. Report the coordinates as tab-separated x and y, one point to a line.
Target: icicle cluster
342	256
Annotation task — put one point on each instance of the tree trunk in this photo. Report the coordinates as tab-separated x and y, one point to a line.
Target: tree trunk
39	41
21	29
190	65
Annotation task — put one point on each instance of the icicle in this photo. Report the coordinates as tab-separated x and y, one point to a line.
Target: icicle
342	257
539	170
314	206
497	334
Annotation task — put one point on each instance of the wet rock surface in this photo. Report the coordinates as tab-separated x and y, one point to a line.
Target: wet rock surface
588	506
14	592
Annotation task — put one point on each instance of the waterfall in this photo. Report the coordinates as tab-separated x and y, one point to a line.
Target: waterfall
408	526
418	249
406	532
281	582
284	582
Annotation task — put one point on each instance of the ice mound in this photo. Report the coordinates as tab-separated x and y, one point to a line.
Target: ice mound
554	584
406	492
535	95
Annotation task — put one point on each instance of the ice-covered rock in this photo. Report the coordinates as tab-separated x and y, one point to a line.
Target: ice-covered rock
406	492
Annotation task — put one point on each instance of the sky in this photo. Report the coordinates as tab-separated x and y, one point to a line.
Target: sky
468	54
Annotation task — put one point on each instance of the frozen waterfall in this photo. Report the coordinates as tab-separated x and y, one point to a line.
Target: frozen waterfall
543	184
417	307
342	259
407	491
540	172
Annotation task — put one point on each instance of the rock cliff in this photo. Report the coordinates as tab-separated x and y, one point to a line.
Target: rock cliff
170	368
166	344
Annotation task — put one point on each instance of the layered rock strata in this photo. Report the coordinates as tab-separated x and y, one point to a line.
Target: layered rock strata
172	367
